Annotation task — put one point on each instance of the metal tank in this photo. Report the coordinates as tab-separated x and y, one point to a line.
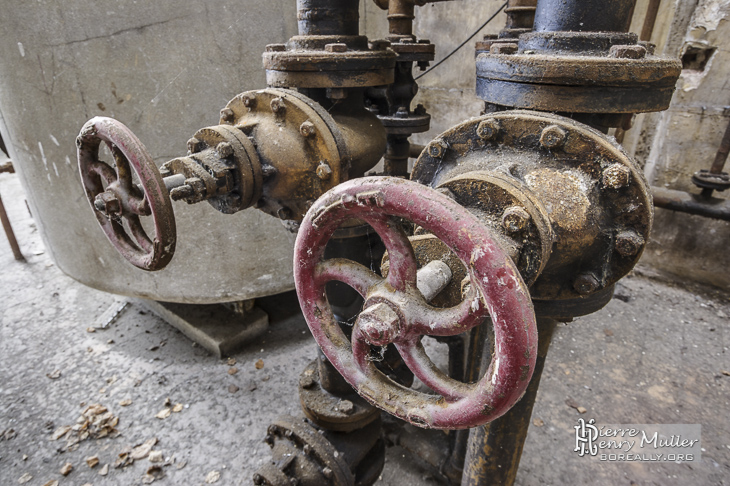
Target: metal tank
165	68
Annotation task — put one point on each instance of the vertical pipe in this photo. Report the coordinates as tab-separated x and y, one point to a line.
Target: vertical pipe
494	450
649	20
583	15
720	158
478	340
9	232
328	17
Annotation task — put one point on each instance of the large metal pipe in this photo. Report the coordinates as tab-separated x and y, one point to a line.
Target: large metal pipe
328	17
494	450
583	15
684	202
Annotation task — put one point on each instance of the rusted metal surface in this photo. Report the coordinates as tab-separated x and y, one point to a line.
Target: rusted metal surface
579	59
118	201
307	456
494	450
684	202
583	15
715	179
376	201
590	189
328	52
342	411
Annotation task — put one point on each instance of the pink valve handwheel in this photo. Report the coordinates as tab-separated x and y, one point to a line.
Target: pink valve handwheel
396	312
122	199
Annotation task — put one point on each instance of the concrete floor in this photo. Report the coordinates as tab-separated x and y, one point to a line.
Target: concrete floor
659	354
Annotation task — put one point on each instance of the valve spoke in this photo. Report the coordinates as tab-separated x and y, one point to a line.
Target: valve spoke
421	365
452	320
135	226
403	265
103	170
343	270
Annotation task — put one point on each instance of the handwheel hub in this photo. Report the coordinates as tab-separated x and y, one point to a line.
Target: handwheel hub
379	324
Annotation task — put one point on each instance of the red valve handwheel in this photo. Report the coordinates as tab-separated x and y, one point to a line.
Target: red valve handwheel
396	312
115	197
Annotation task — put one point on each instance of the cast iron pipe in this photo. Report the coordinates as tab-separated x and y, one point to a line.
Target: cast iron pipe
684	202
583	15
328	17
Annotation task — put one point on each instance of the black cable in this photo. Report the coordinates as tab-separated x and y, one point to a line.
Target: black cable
464	43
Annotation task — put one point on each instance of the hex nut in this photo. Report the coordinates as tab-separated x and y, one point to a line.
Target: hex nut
437	149
278	106
515	219
327	472
108	203
346	407
224	149
552	137
324	171
379	324
227	115
379	44
249	101
307	449
616	176
586	284
627	51
488	129
503	48
276	48
335	47
194	145
629	243
306	382
307	129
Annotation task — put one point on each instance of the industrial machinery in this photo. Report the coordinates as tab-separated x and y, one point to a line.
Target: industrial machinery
508	222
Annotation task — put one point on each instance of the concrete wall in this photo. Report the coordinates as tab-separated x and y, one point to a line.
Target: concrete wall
675	144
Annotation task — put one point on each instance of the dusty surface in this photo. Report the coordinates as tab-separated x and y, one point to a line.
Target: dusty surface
656	355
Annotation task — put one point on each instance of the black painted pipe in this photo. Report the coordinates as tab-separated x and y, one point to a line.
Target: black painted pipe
583	15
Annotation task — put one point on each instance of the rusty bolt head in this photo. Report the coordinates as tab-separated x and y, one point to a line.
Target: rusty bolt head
379	324
327	472
420	110
307	449
258	479
586	283
287	433
276	48
108	203
335	47
552	137
227	115
194	145
324	171
402	112
503	48
224	150
249	100
488	129
616	176
269	439
306	382
379	44
629	243
181	192
278	106
346	407
437	149
627	52
307	129
515	220
273	430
